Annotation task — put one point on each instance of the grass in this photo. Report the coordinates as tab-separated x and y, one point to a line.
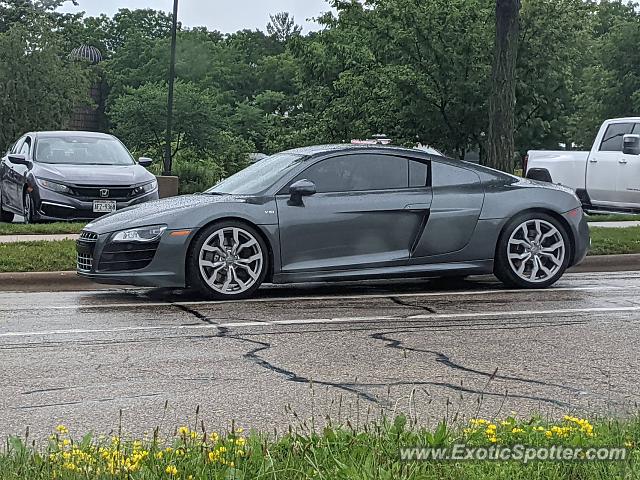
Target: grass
40	228
610	241
41	256
45	256
337	452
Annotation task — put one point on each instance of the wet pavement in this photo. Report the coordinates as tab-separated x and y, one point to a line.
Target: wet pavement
301	353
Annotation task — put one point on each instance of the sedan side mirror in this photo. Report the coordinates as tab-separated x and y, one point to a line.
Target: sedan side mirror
145	161
20	159
299	189
631	144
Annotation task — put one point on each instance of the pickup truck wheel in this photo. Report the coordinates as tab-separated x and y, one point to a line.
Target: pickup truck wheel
533	251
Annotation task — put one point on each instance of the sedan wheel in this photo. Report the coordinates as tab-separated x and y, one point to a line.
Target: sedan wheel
228	261
27	202
533	252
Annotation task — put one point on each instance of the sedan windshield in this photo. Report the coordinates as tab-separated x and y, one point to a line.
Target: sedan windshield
259	176
82	150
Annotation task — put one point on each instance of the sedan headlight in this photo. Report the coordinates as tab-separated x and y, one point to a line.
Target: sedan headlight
142	234
146	188
53	186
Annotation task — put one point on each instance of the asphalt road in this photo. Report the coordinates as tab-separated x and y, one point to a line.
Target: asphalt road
349	352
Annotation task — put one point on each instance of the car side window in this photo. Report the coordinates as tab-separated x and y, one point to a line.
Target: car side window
612	140
18	145
26	147
419	174
359	172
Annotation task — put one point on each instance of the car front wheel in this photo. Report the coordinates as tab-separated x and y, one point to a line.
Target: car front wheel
28	208
533	251
228	261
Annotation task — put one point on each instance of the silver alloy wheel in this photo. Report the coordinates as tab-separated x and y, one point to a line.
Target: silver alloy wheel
27	208
536	250
231	260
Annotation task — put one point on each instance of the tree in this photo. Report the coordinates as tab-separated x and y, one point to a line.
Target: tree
283	27
501	148
139	118
39	85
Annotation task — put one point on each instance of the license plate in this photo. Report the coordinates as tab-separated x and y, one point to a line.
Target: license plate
104	206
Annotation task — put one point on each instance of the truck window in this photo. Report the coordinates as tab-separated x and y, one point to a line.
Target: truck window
612	140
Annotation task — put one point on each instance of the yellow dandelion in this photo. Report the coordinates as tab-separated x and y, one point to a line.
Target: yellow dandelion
171	470
61	429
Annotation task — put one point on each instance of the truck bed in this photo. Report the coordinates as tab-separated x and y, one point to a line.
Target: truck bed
568	167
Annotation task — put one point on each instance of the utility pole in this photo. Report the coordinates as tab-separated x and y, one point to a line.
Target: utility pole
172	74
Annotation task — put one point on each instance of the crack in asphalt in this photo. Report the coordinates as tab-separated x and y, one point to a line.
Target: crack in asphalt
404	303
200	316
446	360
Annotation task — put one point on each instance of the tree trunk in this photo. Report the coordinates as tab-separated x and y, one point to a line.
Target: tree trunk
501	148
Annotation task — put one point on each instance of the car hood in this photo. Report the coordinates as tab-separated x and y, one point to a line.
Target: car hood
101	175
168	211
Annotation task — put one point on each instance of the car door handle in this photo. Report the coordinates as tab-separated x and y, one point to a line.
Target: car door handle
593	160
417	207
622	161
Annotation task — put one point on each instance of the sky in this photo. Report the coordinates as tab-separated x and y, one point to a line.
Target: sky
223	15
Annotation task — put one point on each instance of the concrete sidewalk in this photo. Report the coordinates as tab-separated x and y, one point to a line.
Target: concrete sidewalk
36	238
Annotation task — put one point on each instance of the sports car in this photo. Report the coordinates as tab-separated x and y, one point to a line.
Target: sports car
342	212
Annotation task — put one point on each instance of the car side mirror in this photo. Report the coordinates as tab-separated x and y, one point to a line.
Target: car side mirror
145	161
20	159
631	144
299	189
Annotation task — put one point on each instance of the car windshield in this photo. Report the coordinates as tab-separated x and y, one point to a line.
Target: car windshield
259	176
82	150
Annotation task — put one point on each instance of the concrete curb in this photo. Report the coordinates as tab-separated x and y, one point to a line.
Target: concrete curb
46	282
70	281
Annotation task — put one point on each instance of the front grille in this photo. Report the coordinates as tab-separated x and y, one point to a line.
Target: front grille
68	213
84	235
85	262
93	192
127	256
85	246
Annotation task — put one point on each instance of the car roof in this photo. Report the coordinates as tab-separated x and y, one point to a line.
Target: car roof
70	133
345	147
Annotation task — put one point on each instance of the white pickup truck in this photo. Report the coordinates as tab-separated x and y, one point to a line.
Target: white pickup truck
606	178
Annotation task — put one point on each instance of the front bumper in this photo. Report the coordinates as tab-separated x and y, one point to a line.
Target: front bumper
98	262
52	206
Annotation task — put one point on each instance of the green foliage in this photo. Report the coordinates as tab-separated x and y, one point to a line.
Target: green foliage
39	86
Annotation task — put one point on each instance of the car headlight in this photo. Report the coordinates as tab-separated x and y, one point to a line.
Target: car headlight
142	234
146	188
53	186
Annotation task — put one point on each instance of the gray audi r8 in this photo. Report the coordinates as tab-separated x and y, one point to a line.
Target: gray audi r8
342	212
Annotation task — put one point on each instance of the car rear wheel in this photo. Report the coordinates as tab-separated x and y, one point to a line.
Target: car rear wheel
533	251
228	261
6	217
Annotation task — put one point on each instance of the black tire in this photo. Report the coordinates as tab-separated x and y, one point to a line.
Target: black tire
5	217
505	270
28	206
194	274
